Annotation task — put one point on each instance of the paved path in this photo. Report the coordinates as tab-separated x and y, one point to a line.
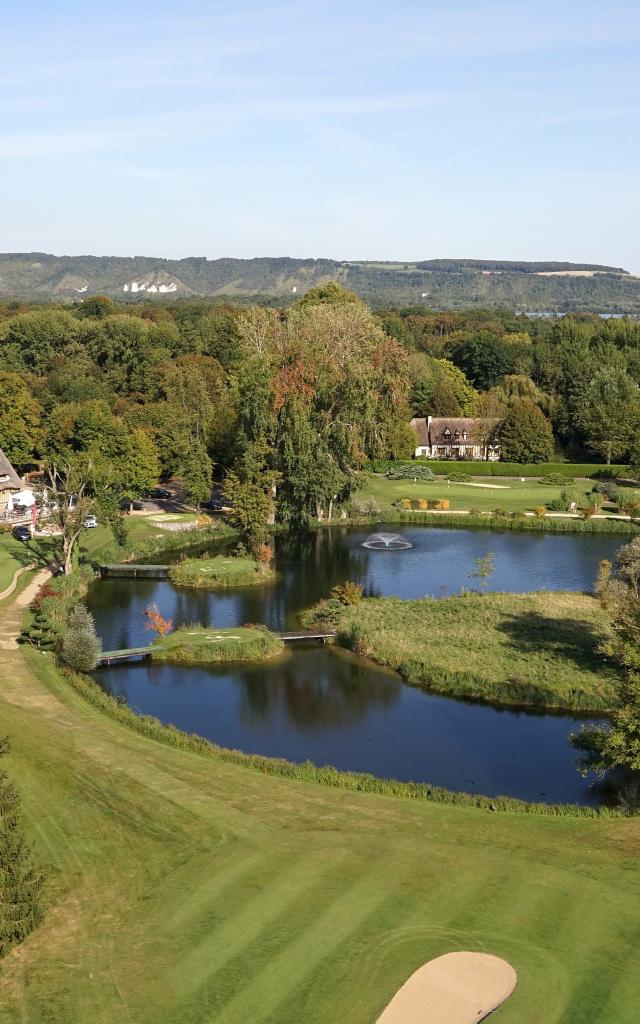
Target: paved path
11	615
457	988
14	582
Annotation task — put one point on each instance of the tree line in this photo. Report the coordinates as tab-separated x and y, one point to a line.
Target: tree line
286	406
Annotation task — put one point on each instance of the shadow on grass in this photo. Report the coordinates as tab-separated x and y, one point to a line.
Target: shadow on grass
574	639
42	550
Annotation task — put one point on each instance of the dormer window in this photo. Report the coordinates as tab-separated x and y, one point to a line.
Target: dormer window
447	432
464	435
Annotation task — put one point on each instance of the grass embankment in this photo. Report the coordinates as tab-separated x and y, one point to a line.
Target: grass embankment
196	645
516	649
220	572
186	888
482	493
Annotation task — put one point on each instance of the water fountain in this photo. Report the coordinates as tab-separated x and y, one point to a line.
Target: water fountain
386	542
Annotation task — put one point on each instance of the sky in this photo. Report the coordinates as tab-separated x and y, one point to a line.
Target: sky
352	130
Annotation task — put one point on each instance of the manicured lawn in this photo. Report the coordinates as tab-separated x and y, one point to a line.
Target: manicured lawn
505	648
195	645
185	890
220	572
15	553
511	495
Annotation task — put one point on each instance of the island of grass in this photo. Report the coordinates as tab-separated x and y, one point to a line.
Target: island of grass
220	572
196	645
537	649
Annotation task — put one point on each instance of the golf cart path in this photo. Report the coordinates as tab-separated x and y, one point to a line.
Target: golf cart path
457	988
11	616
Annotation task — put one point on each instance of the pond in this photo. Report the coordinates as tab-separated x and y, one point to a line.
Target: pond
329	707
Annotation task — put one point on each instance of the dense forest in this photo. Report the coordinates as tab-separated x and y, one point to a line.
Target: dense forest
441	284
286	406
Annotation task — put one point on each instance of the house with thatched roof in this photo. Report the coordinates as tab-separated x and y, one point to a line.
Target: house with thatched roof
10	484
457	437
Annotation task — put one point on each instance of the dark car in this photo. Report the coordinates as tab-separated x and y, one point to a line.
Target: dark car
21	533
213	505
126	504
159	492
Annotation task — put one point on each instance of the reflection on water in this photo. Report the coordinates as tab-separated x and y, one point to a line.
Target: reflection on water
309	565
327	706
332	708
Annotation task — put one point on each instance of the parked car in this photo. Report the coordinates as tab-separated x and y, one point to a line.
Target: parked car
90	522
159	492
213	505
22	533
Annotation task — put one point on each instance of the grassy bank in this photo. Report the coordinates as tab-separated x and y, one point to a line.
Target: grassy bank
185	887
515	649
220	572
511	521
195	645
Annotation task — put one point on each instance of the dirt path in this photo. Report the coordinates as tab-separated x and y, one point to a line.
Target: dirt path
457	988
11	615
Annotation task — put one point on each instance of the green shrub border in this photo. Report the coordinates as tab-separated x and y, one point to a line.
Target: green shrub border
359	782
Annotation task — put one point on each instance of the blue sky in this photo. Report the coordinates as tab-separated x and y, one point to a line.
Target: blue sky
370	130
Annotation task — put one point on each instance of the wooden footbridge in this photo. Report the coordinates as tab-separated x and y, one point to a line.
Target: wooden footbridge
129	654
128	571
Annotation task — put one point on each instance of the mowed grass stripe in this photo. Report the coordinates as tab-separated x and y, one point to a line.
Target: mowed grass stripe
270	988
242	914
262	942
185	909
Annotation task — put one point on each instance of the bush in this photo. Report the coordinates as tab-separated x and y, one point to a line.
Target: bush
631	507
557	479
363	508
348	593
411	471
540	511
459	478
608	488
500	513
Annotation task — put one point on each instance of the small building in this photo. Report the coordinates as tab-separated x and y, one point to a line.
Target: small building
10	485
457	437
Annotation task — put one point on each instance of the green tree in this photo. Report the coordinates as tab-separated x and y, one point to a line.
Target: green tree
21	418
484	358
95	305
66	494
197	474
525	434
619	745
21	882
29	340
251	508
610	413
81	646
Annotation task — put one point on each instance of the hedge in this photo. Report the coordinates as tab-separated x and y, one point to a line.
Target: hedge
570	469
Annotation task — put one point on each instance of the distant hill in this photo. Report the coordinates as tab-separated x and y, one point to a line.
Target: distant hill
440	284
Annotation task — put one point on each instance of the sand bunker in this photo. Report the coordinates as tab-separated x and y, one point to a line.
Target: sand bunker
457	988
